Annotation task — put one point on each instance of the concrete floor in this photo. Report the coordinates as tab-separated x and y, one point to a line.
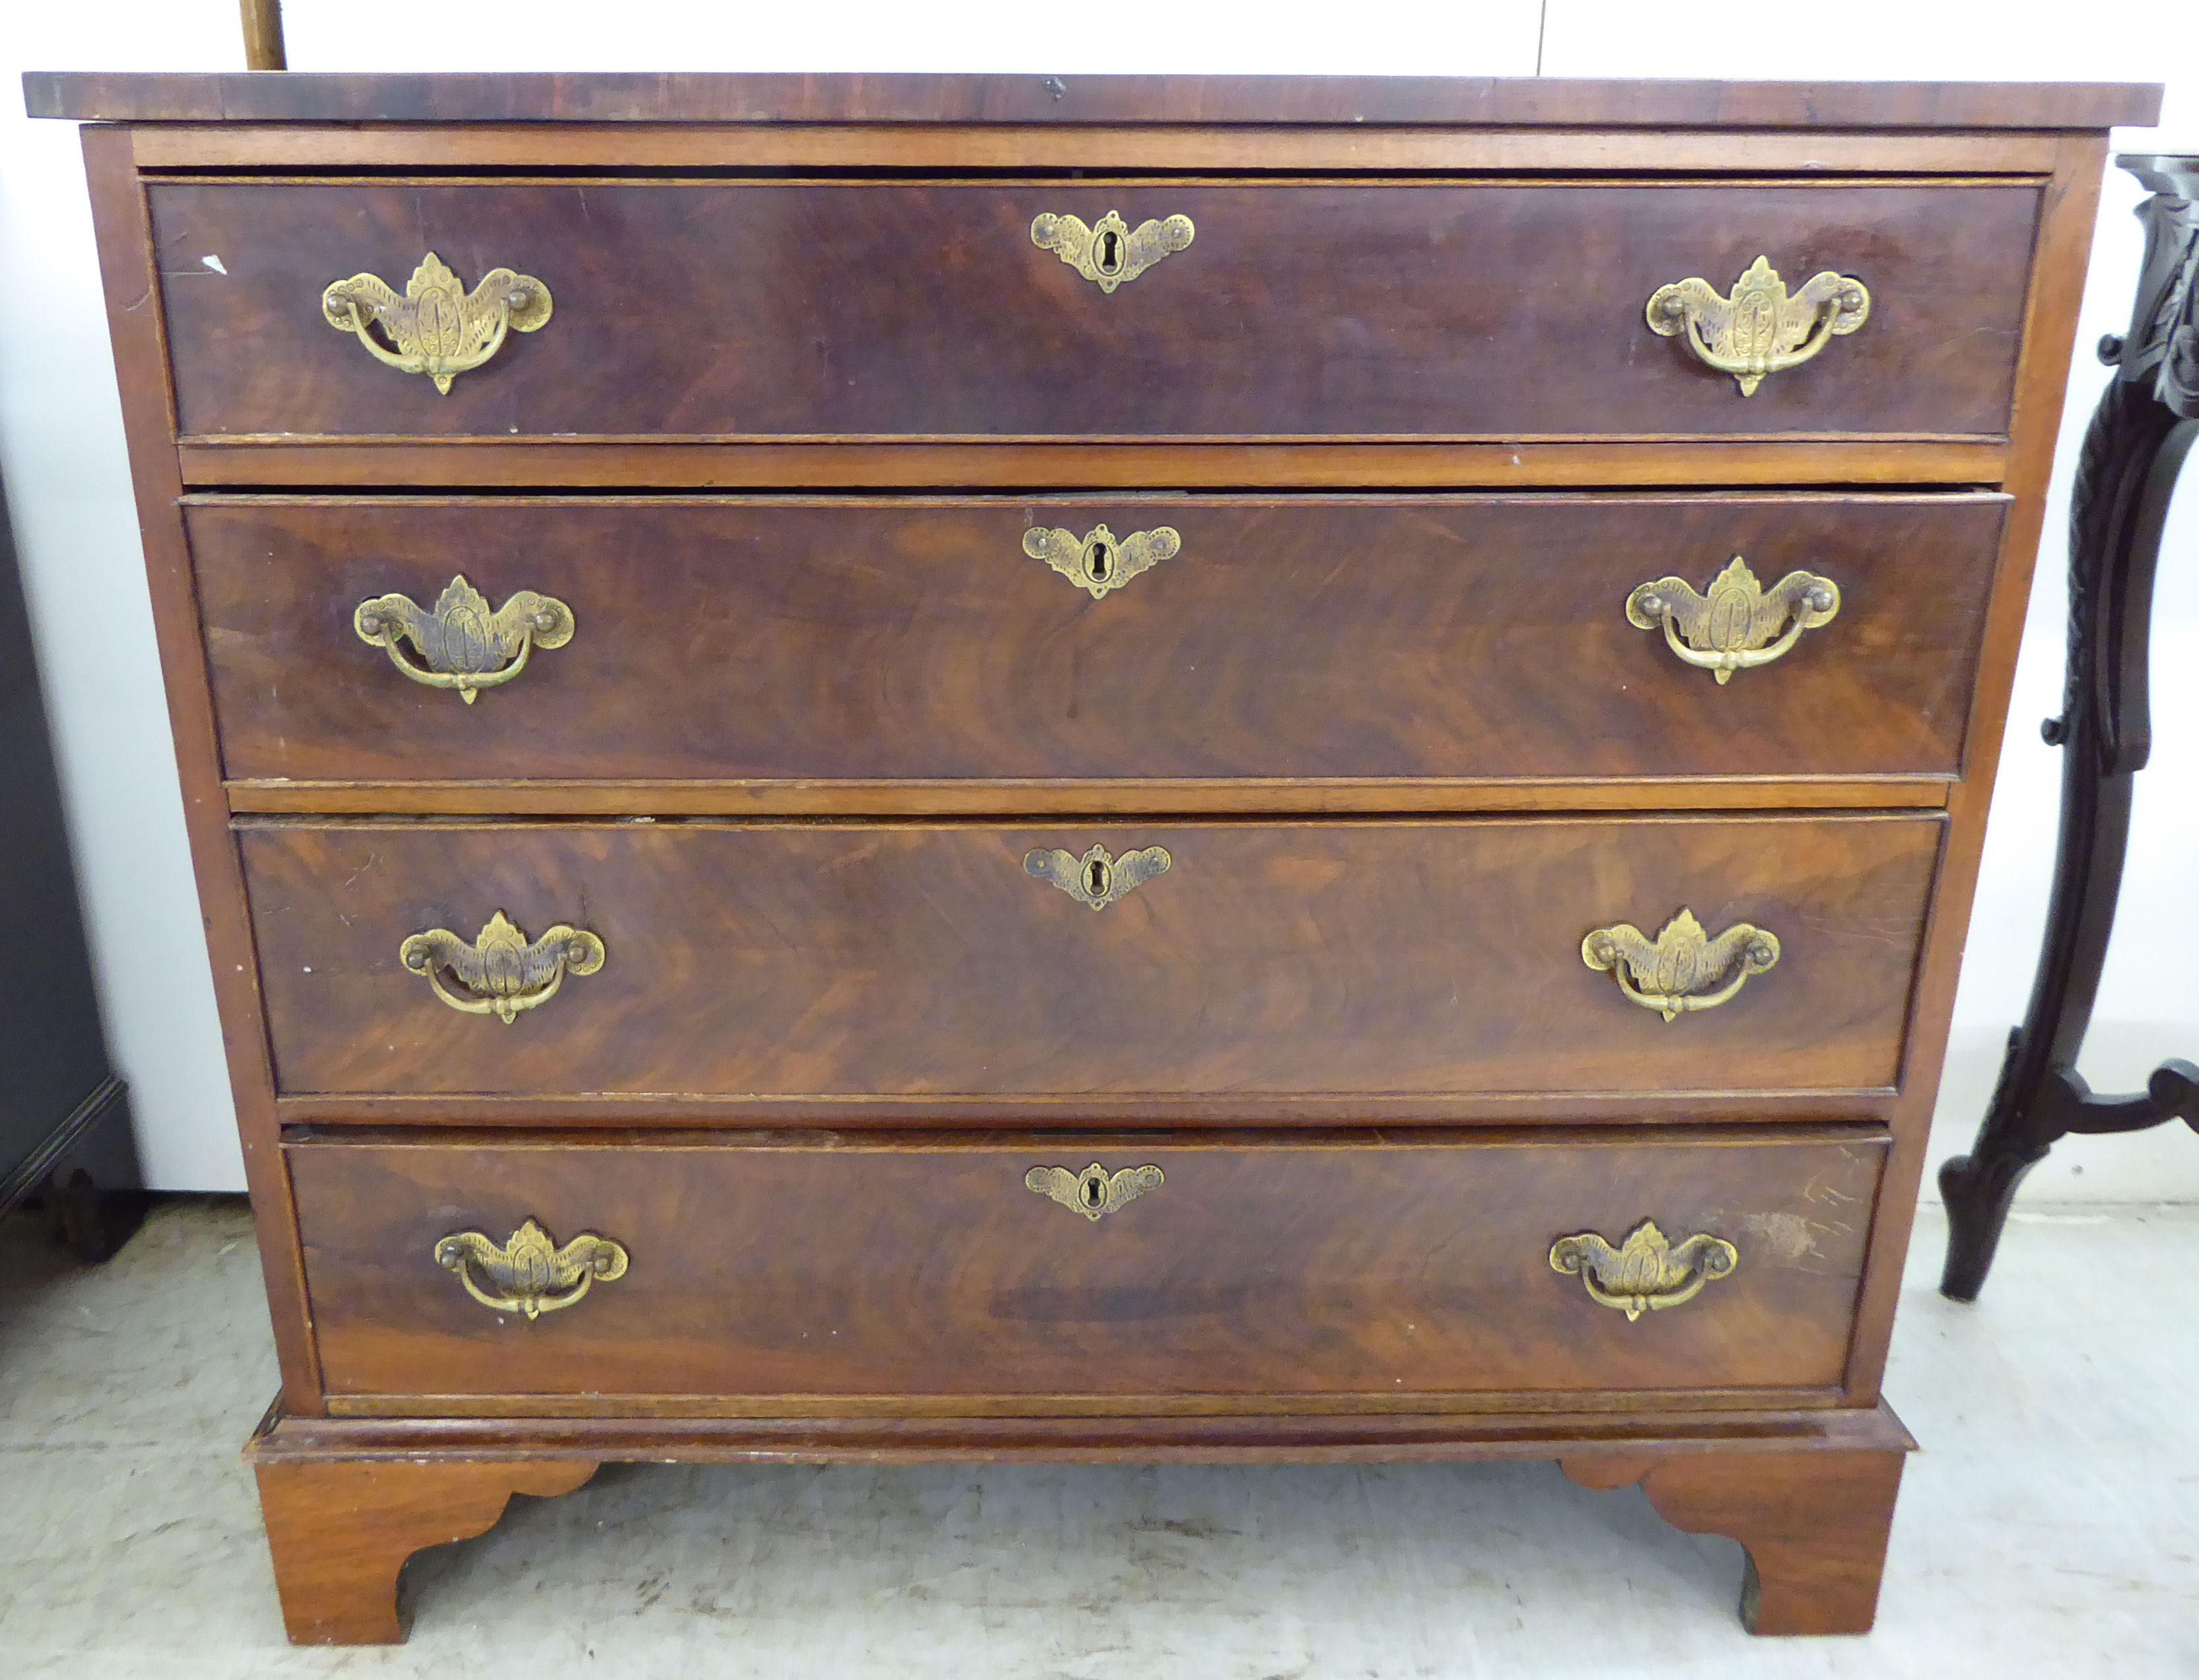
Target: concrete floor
2050	1527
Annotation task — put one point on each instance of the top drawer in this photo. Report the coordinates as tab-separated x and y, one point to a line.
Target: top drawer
715	309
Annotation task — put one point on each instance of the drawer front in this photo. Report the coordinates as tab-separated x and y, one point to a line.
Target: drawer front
767	961
1385	1272
1467	637
783	310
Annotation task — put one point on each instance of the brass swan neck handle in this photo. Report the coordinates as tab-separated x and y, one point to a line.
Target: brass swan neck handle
1675	973
462	643
1646	1272
1738	624
500	972
529	1275
437	327
1760	329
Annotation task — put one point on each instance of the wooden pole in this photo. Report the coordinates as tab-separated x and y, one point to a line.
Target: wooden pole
262	34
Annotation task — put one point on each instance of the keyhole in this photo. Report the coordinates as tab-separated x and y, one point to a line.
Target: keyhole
1096	877
1108	260
1091	1192
1096	563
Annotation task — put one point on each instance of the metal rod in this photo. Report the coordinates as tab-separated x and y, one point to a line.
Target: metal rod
262	34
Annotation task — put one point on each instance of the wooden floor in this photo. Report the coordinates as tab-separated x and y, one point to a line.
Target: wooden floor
2051	1526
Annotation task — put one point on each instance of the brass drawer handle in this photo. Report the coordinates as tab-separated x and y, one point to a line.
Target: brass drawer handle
1761	329
1111	253
1669	975
500	972
1095	879
1095	1193
1737	627
530	1274
1645	1274
463	644
1100	561
438	328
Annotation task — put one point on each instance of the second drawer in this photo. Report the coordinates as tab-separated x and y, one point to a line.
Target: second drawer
1310	637
763	963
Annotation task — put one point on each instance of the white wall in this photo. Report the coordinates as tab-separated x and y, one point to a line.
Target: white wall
61	440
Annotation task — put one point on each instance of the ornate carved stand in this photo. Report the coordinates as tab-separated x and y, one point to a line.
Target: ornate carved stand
2144	428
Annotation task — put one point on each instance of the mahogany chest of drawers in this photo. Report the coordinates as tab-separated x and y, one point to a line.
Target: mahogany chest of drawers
1185	769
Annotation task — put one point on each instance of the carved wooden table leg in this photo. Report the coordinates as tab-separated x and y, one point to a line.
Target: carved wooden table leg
1814	1524
2140	433
341	1529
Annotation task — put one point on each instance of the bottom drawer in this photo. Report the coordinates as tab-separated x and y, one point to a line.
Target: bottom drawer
799	1274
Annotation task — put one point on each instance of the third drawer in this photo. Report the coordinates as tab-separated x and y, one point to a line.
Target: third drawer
1016	968
1457	637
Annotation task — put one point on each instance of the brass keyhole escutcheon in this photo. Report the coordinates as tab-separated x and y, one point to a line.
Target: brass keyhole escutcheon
1096	880
1095	1193
1109	253
1100	562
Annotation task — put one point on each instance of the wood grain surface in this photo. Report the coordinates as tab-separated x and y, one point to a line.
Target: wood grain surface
339	1532
1226	1436
915	960
1815	1524
1363	1268
1028	797
902	640
605	96
1112	149
127	264
834	464
708	308
1808	1492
